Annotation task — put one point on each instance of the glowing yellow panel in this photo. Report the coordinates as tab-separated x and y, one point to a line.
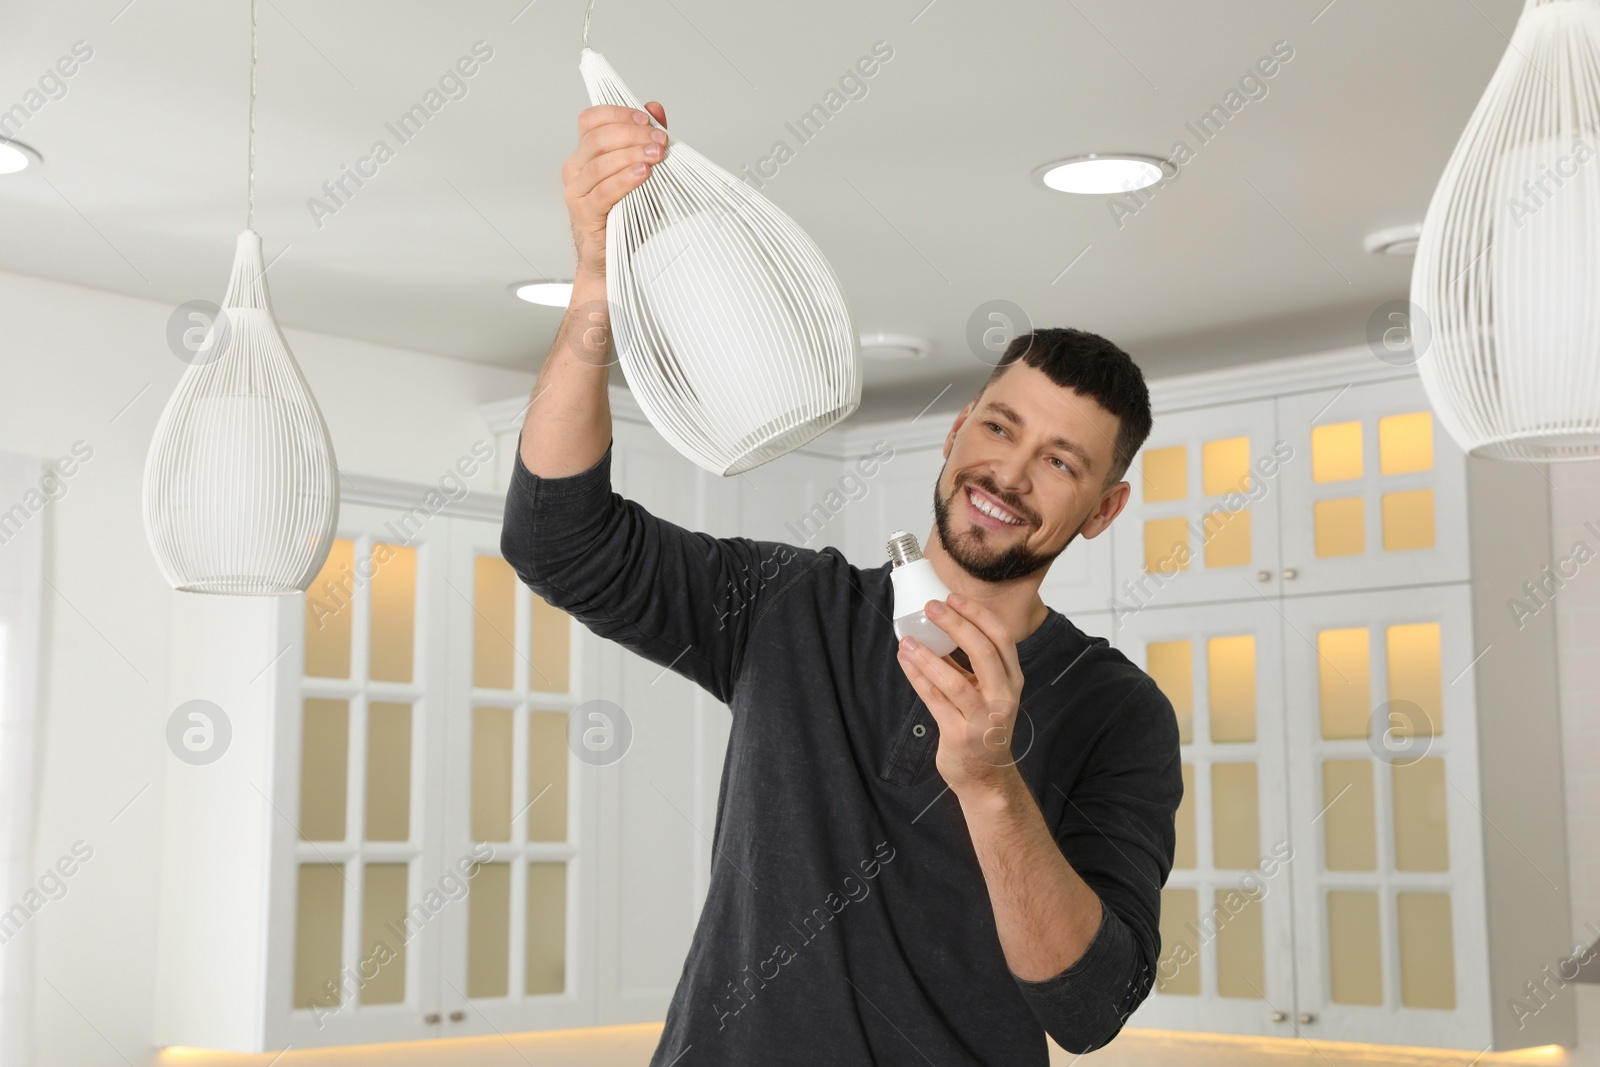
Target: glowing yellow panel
1228	539
489	931
1241	956
547	776
1178	970
318	935
328	613
1231	666
1421	837
1341	527
1336	452
1171	666
494	621
394	612
1166	546
1349	821
1183	854
1355	955
1344	671
1225	466
324	768
1427	951
545	943
1235	816
1405	443
1408	520
491	774
1415	676
1165	473
388	771
383	913
551	653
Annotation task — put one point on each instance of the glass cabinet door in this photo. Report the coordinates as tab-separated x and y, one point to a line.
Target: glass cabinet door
1383	785
1226	920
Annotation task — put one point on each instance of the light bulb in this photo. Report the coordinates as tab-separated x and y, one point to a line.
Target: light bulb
915	582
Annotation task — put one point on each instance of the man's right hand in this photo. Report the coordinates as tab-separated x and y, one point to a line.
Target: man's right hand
617	147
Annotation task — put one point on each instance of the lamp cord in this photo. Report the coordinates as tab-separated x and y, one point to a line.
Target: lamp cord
588	11
250	203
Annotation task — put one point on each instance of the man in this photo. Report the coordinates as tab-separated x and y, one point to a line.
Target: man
925	861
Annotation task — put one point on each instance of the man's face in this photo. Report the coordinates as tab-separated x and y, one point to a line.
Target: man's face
1038	452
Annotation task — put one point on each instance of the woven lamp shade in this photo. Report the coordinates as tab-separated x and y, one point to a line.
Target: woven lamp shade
730	325
1508	264
241	489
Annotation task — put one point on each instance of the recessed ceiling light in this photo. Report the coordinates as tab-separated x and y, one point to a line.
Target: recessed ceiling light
1397	241
1104	175
15	156
550	294
894	347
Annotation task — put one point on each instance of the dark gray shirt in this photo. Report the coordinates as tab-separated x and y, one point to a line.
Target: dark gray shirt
848	921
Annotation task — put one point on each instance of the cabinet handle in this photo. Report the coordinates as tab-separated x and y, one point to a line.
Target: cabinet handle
1307	1018
431	1018
1290	574
457	1016
1263	576
1278	1016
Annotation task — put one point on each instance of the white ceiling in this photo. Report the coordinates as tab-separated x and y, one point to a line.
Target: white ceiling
919	192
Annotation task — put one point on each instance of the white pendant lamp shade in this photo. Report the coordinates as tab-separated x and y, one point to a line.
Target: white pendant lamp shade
241	489
1508	264
729	323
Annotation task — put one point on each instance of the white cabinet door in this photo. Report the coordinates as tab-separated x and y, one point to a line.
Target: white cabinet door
518	948
1376	495
1390	925
1202	521
1226	962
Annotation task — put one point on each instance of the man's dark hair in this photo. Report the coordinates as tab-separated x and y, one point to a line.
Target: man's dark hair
1091	365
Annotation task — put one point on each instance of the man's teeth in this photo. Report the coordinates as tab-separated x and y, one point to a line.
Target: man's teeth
989	509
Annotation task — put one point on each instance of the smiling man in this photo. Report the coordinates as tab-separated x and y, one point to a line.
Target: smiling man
917	860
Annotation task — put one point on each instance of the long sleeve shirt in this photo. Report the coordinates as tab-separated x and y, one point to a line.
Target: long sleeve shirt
848	920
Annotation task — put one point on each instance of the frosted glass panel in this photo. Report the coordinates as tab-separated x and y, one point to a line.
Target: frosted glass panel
491	774
547	776
1166	474
1340	527
1405	443
1183	855
550	654
547	928
1349	820
1336	452
1427	951
1166	546
1354	952
1414	675
1421	840
383	927
1178	970
489	931
1226	466
1344	671
388	771
1235	816
1231	664
1171	666
318	933
1227	539
1241	966
394	612
324	768
328	614
1408	520
494	623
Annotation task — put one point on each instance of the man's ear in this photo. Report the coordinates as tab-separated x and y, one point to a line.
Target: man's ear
1111	505
961	417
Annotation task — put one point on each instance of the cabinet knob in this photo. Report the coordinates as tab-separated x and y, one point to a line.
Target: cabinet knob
1278	1016
1289	574
1307	1018
432	1018
1263	576
457	1016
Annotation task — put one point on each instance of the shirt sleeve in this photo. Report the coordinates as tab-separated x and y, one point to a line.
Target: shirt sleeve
1118	833
681	599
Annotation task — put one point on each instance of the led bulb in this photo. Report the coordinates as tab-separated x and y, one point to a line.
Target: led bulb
915	582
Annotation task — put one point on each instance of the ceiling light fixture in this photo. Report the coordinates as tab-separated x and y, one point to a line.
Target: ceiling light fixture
16	156
894	347
549	294
1104	175
1398	242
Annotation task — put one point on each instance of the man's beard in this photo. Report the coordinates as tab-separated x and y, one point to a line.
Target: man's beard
970	551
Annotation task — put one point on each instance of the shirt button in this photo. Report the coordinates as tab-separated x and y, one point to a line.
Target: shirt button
919	729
